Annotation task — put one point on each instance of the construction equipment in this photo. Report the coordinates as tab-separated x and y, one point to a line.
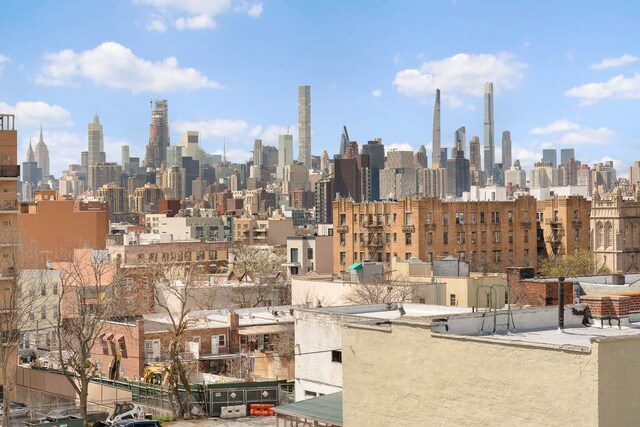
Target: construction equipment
156	373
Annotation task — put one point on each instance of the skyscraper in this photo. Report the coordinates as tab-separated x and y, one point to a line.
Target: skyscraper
506	150
375	150
285	153
460	137
156	151
257	153
352	150
435	140
474	153
42	155
304	125
489	150
550	155
96	143
125	159
566	154
344	140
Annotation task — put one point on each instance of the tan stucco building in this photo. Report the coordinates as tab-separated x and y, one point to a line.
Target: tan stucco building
414	371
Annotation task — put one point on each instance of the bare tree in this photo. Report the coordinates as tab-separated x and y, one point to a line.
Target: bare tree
381	291
88	301
261	271
179	283
19	304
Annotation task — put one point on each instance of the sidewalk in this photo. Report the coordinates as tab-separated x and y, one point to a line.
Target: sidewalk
229	422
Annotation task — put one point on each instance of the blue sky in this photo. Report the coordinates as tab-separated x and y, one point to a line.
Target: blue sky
567	74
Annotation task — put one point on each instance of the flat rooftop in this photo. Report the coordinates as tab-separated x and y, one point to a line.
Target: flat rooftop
384	311
575	337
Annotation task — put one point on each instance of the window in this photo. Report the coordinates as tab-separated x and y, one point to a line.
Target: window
294	254
343	258
459	217
407	218
407	255
510	237
388	257
496	256
343	239
6	190
526	236
511	255
452	300
308	393
496	237
429	218
445	219
388	219
379	219
482	220
461	256
6	223
430	257
309	253
343	219
43	312
445	238
460	239
394	218
387	237
472	217
43	290
361	238
221	340
336	356
294	271
483	237
510	217
395	237
495	217
407	238
473	237
429	238
355	257
55	289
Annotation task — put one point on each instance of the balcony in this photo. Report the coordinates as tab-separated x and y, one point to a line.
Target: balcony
9	172
577	223
372	224
526	224
7	206
431	227
408	228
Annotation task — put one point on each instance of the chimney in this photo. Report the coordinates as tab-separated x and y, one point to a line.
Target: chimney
234	335
617	279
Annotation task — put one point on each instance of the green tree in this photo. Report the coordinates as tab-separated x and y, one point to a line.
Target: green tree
578	264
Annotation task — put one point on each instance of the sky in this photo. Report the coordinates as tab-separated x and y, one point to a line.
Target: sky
566	73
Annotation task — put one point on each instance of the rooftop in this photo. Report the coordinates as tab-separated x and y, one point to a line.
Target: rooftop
391	311
326	409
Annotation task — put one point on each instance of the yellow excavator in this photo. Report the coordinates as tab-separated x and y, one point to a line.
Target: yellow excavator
156	373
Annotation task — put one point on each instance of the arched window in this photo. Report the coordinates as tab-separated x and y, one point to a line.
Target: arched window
608	235
599	235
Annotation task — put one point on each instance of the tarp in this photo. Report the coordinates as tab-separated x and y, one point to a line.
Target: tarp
355	266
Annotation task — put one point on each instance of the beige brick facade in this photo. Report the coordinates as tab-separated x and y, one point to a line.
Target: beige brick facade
490	235
565	224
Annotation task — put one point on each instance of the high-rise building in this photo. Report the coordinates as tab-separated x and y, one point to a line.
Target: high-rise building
435	140
475	159
95	153
125	160
295	176
434	180
353	178
285	153
146	198
457	175
421	157
324	195
550	155
156	151
489	149
10	173
257	153
515	176
344	140
634	173
324	161
304	125
104	173
174	155
604	176
352	150
566	154
399	177
115	196
41	154
375	150
459	139
506	150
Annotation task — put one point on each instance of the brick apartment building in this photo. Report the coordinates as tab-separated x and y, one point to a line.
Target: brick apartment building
490	235
564	222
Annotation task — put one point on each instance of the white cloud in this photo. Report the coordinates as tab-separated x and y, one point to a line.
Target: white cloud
526	156
157	25
526	44
618	87
215	128
235	155
114	65
196	22
255	11
621	167
460	74
588	136
64	147
399	146
376	93
30	114
270	133
615	62
199	14
562	125
4	60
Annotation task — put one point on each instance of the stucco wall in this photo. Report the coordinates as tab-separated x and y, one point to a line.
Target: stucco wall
310	292
405	377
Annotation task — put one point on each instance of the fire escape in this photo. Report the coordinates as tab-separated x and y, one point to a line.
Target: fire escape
555	236
374	239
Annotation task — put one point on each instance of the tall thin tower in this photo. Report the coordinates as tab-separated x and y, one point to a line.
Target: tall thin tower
156	151
460	137
95	143
304	125
506	150
42	155
489	150
435	154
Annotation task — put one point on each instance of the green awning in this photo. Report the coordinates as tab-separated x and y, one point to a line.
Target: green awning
356	266
326	409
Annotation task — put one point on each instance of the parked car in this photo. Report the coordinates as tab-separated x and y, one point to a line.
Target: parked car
16	409
60	414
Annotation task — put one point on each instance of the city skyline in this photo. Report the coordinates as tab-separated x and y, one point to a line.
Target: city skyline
561	99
